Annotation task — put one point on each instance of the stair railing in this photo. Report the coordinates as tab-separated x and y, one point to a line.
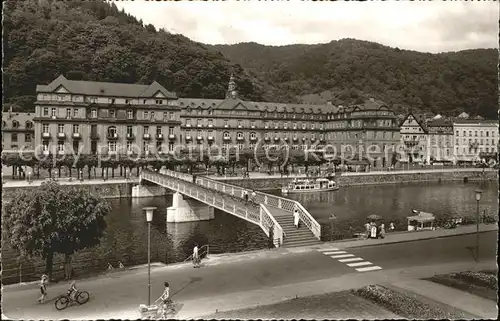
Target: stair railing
267	221
285	204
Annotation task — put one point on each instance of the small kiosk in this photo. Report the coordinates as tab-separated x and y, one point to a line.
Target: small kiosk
421	221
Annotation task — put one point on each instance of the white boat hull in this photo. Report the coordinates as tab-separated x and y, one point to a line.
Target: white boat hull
294	191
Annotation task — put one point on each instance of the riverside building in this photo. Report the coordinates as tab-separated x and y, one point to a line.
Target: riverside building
414	145
475	139
17	131
440	141
116	118
92	117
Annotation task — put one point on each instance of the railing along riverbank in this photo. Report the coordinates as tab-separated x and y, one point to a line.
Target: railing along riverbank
285	204
183	183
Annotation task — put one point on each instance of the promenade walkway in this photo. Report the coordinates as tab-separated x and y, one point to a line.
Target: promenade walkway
67	181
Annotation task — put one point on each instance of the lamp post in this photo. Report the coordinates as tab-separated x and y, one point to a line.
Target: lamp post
478	198
331	218
149	219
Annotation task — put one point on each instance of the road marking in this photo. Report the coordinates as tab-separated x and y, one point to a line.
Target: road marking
331	249
354	259
369	268
341	256
335	252
359	264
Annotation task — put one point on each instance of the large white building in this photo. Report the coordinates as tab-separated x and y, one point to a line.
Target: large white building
475	139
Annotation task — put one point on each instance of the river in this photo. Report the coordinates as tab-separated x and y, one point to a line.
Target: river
126	235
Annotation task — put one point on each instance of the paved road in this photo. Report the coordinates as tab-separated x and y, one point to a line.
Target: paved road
124	290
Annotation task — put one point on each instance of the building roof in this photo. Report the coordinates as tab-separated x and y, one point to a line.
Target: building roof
439	122
419	118
463	115
476	121
94	88
22	119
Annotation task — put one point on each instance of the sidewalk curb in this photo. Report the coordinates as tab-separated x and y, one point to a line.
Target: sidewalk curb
416	240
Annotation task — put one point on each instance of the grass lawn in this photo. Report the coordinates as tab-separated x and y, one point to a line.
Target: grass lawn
338	305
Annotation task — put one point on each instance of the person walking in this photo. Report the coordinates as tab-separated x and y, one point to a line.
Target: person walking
391	227
367	230
196	257
43	288
296	218
245	193
382	231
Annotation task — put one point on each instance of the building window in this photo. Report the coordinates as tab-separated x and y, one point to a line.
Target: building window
54	112
60	146
111	100
68	112
76	128
146	115
129	146
130	131
145	148
188	122
153	115
112	131
14	137
75	112
210	122
226	135
253	135
93	113
199	123
170	147
27	138
158	130
60	128
112	113
45	128
112	146
475	133
457	133
93	147
45	146
158	147
239	135
76	146
146	130
487	133
239	123
171	115
171	130
226	123
165	116
127	101
159	102
252	124
46	112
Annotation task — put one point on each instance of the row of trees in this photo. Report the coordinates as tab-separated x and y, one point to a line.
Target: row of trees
110	165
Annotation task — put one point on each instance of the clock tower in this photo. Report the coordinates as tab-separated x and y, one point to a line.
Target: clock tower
231	90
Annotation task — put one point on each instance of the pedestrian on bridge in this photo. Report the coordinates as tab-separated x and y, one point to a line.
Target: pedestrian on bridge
245	195
296	218
196	257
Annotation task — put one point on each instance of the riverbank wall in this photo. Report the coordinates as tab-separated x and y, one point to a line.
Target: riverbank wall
105	189
356	179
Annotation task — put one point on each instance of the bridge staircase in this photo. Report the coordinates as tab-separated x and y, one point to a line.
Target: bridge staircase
293	237
272	213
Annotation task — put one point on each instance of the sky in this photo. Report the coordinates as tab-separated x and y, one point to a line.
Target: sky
436	26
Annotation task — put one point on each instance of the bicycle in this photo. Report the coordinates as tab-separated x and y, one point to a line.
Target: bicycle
154	312
80	297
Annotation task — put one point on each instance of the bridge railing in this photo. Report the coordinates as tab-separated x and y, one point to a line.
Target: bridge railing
267	222
247	211
179	175
267	199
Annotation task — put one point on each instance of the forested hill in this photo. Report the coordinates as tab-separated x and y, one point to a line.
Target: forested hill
345	71
93	40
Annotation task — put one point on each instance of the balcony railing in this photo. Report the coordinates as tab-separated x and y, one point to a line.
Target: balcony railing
146	136
45	135
77	136
112	136
159	136
61	135
171	136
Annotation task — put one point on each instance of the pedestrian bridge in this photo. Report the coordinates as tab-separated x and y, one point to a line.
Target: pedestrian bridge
272	213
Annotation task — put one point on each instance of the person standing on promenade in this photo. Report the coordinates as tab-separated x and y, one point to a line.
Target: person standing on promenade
296	218
196	257
391	227
43	288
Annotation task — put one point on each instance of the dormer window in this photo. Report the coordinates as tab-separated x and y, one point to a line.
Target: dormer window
159	101
127	101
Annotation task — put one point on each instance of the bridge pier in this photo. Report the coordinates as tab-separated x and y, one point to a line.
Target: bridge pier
185	209
148	191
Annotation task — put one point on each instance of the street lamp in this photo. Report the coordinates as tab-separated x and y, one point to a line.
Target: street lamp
149	219
478	198
331	218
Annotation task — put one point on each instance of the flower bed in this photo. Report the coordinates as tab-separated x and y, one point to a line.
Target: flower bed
480	278
483	283
403	305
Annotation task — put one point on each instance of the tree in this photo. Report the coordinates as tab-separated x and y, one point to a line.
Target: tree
54	219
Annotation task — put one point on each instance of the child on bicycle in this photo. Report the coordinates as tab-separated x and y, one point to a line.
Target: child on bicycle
72	291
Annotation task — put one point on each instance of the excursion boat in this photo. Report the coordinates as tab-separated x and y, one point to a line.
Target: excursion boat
310	185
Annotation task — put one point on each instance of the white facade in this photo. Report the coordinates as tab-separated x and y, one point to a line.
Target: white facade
475	137
413	141
440	141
